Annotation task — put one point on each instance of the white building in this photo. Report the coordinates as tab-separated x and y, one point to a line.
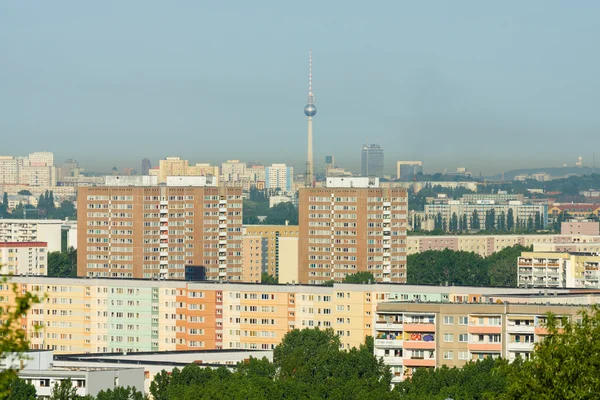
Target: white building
35	170
352	182
279	176
130	180
39	369
32	230
233	170
24	258
275	200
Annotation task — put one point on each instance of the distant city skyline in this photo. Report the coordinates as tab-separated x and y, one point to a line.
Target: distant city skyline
486	86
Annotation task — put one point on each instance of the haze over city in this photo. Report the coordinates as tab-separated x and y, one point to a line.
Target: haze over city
113	82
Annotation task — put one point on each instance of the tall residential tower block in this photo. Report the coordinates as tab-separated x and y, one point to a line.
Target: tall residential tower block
352	226
160	232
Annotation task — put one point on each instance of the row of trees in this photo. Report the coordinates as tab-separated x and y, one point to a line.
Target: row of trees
504	222
464	268
46	208
65	390
257	205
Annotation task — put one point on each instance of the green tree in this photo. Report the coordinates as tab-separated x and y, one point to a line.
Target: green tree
464	222
445	225
530	225
282	213
4	205
13	339
502	221
24	192
359	277
490	220
558	221
510	220
160	385
565	365
121	393
434	267
475	223
438	222
453	222
64	390
270	279
502	266
62	264
539	224
18	389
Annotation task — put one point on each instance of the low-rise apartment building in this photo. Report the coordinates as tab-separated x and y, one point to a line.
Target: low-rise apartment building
32	230
97	315
23	258
409	336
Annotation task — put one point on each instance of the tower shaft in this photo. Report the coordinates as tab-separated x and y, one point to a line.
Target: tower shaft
309	156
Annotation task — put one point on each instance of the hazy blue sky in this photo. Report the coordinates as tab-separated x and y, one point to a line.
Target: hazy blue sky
481	84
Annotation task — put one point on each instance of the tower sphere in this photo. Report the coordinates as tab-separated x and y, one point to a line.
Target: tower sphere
310	110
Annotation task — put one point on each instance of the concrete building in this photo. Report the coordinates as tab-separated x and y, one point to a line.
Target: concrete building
160	232
407	170
349	229
40	370
574	210
136	180
146	166
175	166
410	336
35	170
580	228
23	258
276	200
271	251
279	176
32	230
100	315
522	213
252	262
372	160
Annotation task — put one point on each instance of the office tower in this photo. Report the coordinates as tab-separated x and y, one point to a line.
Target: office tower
279	176
310	110
352	225
407	170
160	232
146	165
372	160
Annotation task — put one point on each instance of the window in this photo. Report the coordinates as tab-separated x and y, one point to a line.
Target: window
448	337
494	321
463	337
463	355
448	320
448	355
463	320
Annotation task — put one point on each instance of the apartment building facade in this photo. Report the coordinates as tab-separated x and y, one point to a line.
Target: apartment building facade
32	230
352	226
23	258
99	315
271	252
562	269
35	170
160	232
279	176
410	336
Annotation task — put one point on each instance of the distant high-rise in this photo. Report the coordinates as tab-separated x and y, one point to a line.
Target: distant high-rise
407	170
279	176
372	160
146	165
310	110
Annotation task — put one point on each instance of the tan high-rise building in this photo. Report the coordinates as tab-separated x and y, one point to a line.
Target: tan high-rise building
160	232
350	226
175	166
270	246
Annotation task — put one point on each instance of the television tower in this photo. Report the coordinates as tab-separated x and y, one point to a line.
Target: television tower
310	110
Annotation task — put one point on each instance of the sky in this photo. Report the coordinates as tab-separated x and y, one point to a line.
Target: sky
490	86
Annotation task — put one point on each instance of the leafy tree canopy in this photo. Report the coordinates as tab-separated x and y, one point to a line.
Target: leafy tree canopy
359	277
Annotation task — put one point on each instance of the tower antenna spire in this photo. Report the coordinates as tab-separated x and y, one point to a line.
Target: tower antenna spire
310	110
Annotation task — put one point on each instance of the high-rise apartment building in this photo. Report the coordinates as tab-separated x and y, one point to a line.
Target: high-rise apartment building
271	253
32	230
350	226
407	170
160	232
24	258
372	160
175	166
279	176
35	170
146	165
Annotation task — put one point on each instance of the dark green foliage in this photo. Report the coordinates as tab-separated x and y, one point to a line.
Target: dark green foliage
62	264
24	192
452	267
475	222
281	213
121	393
64	391
434	267
484	379
21	390
308	364
270	279
257	205
359	277
565	365
510	220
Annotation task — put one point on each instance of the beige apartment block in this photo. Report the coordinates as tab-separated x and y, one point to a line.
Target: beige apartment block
272	253
160	232
573	269
411	336
252	261
24	258
580	228
288	260
345	230
175	166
